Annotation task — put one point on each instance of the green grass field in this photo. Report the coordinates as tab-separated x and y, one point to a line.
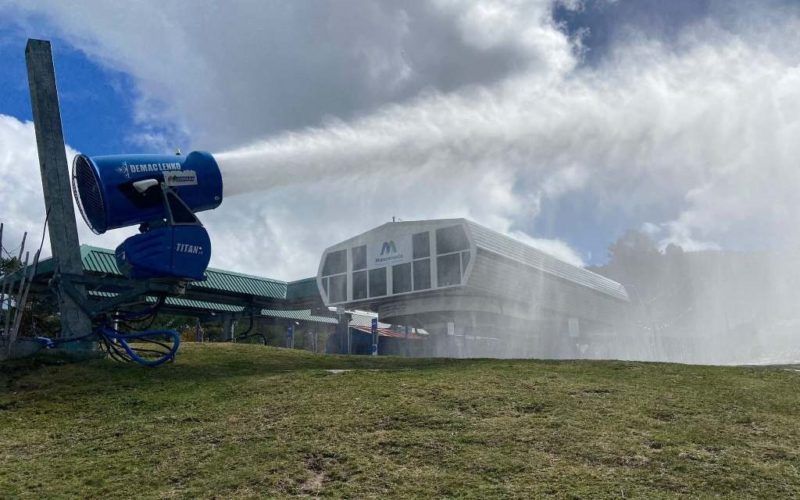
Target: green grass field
251	421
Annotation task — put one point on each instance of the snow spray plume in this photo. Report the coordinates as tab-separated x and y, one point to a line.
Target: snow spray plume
697	129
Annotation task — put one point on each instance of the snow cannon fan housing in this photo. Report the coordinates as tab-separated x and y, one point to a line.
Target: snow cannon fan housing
160	193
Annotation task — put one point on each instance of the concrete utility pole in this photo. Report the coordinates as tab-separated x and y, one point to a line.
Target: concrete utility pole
374	330
343	331
228	328
55	180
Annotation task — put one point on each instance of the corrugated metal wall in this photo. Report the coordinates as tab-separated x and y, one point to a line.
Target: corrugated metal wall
510	248
504	277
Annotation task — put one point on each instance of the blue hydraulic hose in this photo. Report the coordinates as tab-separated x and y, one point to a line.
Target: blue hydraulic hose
49	343
123	338
111	335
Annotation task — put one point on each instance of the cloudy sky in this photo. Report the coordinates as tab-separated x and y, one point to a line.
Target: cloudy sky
562	123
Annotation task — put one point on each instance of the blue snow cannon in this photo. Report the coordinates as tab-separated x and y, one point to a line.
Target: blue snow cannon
160	193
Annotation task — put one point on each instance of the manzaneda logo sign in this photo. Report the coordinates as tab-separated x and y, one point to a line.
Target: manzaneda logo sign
388	247
391	250
388	253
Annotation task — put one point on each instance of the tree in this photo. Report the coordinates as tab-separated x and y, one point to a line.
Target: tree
659	283
9	265
634	261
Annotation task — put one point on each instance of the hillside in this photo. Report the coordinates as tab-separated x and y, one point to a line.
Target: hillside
244	421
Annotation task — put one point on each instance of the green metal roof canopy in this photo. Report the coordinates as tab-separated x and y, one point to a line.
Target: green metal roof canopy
102	261
222	292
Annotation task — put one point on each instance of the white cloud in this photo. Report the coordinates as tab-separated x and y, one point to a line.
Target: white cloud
21	205
523	25
21	200
228	73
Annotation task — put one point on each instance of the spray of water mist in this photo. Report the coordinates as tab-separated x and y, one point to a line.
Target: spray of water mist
696	130
708	131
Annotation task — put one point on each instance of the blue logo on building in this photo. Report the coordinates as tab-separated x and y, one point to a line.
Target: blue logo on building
388	247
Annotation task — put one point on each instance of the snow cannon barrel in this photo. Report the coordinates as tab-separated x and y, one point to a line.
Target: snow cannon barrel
115	191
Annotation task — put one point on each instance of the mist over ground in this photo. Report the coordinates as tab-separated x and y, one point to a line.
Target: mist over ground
562	123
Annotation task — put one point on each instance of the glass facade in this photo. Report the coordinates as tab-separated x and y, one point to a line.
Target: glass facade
421	243
338	288
335	263
451	239
401	278
359	285
448	269
359	256
334	273
452	250
452	256
377	282
422	274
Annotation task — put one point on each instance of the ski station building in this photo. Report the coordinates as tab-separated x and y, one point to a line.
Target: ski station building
475	292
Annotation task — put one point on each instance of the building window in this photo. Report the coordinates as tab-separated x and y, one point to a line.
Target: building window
422	245
377	282
422	274
464	262
401	278
338	288
359	255
451	239
360	285
335	263
448	270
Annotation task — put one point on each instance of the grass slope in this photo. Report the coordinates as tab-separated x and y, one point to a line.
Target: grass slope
242	421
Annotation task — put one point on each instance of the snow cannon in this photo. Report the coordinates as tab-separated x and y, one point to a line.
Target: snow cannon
160	193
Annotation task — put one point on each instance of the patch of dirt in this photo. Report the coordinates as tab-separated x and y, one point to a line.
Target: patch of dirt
654	445
597	391
663	415
313	484
531	408
317	464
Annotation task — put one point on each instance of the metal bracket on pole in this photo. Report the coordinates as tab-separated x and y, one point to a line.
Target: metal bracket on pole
62	228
